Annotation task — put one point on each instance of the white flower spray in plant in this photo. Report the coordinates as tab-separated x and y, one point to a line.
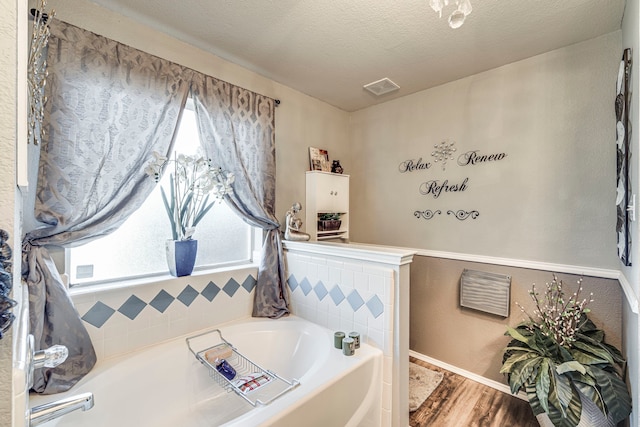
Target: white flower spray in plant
556	315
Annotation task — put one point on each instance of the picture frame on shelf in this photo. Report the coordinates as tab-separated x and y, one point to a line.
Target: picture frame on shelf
319	160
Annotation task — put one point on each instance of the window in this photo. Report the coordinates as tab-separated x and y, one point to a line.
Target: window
137	248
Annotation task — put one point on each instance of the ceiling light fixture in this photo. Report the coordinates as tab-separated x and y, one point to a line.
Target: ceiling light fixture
457	17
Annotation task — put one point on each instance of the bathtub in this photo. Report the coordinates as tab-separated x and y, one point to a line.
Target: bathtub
164	385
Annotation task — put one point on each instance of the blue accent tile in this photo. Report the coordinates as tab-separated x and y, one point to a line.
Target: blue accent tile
231	287
320	291
210	291
293	283
249	283
162	301
188	295
336	295
305	286
375	306
98	314
132	307
355	300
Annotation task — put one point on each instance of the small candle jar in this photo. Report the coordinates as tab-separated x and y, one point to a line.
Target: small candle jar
337	339
348	347
356	338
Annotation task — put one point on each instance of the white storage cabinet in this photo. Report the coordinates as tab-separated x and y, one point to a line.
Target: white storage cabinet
327	193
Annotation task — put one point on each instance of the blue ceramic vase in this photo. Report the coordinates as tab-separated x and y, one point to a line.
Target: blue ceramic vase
181	256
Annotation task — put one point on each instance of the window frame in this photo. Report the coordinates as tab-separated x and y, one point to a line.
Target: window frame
256	235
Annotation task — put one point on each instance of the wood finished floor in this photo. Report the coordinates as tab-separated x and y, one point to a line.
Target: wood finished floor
461	402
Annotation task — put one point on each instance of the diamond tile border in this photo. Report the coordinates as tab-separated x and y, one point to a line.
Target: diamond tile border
354	299
100	312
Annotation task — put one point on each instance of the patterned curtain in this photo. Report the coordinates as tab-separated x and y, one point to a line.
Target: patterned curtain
109	107
237	128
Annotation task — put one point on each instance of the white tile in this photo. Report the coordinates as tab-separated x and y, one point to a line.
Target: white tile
84	298
387	396
323	274
386	418
83	307
335	277
378	271
178	327
116	329
304	258
347	280
376	339
361	282
115	347
376	323
323	318
377	286
387	370
346	311
334	322
320	260
335	264
353	266
312	273
361	317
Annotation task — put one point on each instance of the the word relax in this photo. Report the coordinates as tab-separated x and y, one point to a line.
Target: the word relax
436	188
413	165
473	158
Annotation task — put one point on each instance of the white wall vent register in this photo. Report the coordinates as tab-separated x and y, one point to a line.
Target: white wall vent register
488	292
382	86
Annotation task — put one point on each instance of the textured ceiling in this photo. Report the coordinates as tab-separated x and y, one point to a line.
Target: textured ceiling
329	49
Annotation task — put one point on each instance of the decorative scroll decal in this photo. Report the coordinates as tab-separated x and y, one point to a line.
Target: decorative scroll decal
428	214
459	214
462	215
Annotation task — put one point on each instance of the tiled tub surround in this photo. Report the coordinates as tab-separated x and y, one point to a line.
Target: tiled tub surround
363	288
127	318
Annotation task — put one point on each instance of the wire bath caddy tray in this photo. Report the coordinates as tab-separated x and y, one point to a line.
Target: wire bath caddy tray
272	386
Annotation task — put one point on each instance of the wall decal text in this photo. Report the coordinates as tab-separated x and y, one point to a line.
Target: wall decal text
473	158
413	165
436	187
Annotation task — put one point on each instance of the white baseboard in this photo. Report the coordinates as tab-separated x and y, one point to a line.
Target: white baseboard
470	375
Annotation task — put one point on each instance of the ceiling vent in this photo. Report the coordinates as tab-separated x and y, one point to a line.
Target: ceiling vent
381	87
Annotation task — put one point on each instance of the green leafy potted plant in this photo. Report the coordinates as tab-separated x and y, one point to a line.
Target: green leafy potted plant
560	359
195	186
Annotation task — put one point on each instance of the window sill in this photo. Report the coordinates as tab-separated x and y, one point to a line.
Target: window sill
92	289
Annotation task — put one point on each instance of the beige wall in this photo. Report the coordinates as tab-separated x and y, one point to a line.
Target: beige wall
474	341
8	34
550	200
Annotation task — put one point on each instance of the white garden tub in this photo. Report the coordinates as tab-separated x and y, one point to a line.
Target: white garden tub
164	385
